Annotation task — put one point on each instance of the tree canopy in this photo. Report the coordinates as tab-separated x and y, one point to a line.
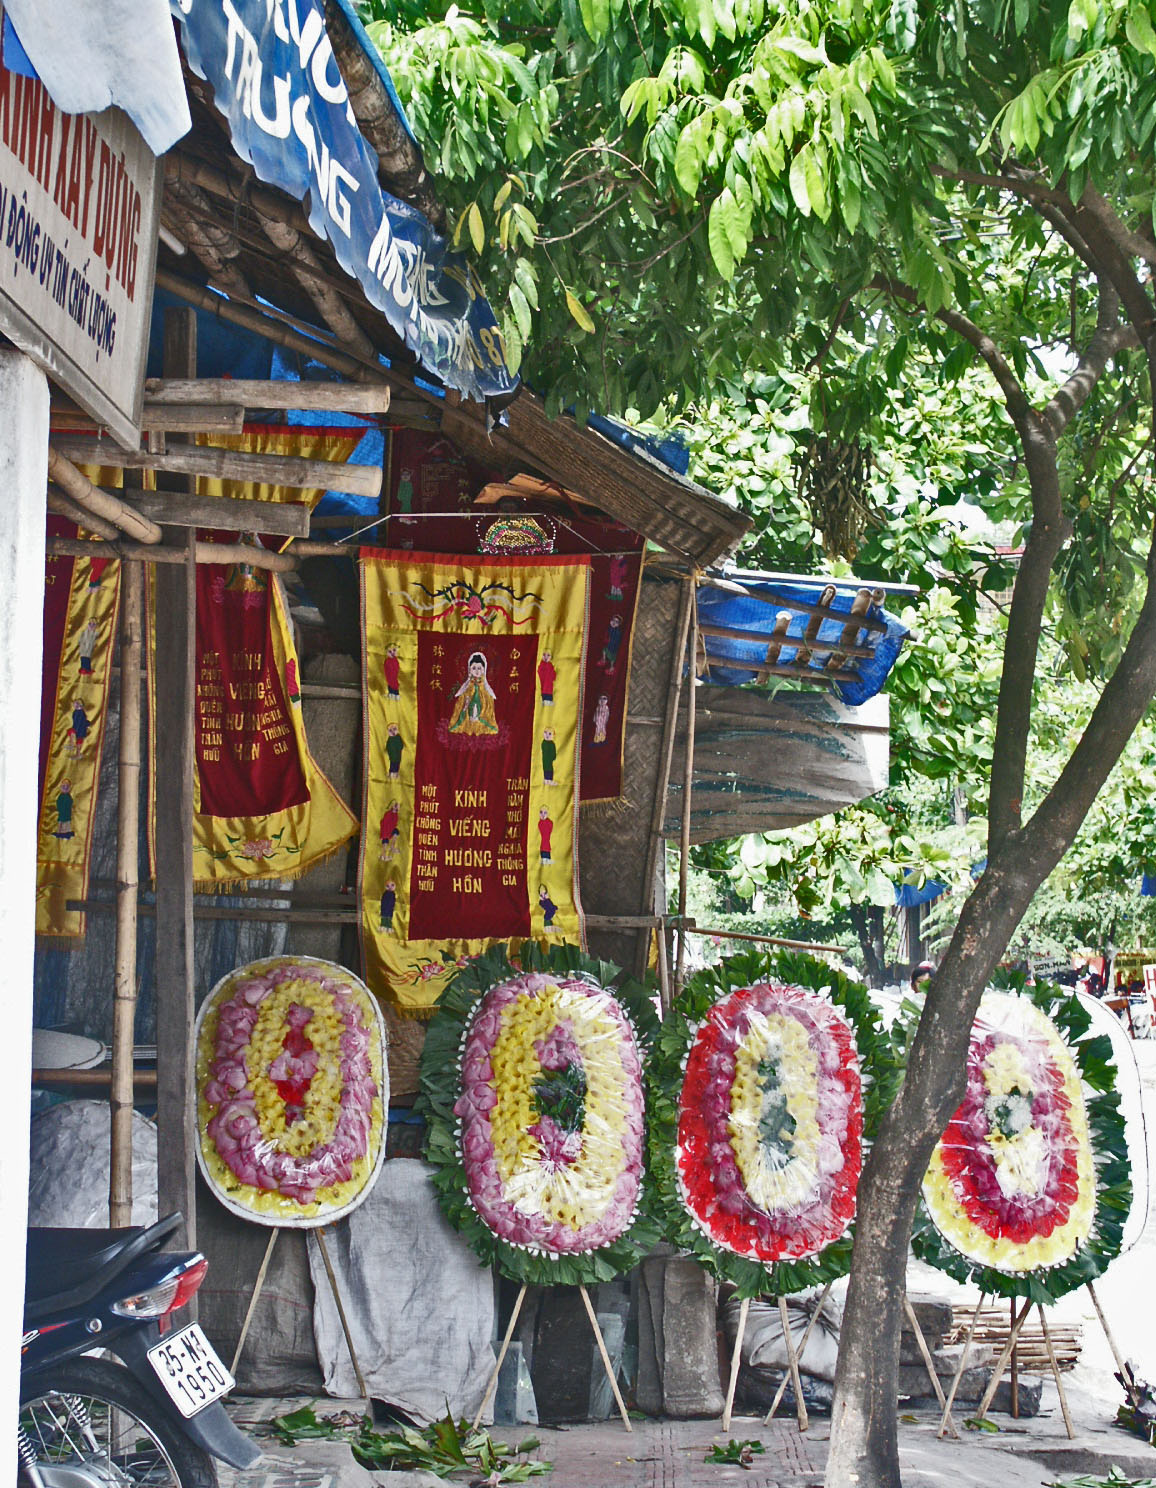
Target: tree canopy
691	195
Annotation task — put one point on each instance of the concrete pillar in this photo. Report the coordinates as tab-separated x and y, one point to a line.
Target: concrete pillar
23	478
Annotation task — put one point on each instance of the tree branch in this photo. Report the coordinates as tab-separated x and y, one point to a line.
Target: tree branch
1108	338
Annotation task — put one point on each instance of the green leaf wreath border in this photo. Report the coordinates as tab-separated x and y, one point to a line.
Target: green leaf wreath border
1097	1067
440	1087
880	1072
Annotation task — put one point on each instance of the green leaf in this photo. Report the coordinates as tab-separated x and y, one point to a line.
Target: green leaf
526	280
595	17
579	312
520	305
1138	28
718	237
689	154
798	182
477	227
1082	16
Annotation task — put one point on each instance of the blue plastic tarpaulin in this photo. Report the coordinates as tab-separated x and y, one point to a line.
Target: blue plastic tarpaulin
757	610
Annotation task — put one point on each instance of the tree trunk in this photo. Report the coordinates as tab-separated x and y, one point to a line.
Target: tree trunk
873	966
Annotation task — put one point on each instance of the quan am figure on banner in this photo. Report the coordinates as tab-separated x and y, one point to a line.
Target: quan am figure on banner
474	702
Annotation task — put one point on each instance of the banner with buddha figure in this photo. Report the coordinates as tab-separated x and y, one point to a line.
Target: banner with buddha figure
80	609
473	680
262	806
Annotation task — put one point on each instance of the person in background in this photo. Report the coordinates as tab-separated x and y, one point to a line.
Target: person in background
922	973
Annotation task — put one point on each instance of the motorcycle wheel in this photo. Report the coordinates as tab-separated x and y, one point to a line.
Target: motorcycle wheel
93	1424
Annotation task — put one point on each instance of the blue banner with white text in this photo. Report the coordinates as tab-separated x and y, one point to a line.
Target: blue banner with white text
275	77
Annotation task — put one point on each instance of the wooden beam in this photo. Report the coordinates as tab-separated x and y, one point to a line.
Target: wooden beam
169	554
321	397
756	638
224	464
279	518
80	489
175	588
193	418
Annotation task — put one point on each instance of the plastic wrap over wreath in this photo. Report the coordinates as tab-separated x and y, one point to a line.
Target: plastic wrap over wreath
292	1091
551	1114
1012	1183
770	1124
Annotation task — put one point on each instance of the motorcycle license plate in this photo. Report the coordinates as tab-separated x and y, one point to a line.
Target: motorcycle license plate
188	1367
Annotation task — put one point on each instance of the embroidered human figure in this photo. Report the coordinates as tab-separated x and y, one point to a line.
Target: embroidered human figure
405	491
388	905
389	830
291	680
549	755
617	577
64	810
545	828
394	746
86	646
609	657
474	711
392	668
548	907
81	724
601	719
547	676
96	568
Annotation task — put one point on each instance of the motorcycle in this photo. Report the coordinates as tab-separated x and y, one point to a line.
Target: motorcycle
151	1416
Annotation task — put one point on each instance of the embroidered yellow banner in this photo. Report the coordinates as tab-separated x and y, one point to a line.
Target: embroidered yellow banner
473	701
80	610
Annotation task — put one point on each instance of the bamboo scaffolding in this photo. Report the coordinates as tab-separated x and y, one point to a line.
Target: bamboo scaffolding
76	485
127	850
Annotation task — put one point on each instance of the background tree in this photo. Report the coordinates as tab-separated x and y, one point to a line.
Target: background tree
690	190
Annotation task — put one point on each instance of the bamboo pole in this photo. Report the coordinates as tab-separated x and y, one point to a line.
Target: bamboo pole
1071	1430
929	1363
606	1364
206	552
268	326
946	1416
64	506
1126	1377
1015	1366
736	1360
1005	1355
687	782
361	1385
252	1307
811	1321
775	940
76	485
492	1382
793	1361
127	862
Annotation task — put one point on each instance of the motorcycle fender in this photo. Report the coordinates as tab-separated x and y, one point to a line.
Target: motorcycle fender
210	1428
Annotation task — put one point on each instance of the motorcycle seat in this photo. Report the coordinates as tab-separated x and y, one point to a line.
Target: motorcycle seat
64	1268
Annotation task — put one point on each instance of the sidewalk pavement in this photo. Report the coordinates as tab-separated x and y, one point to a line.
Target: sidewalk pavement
669	1454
